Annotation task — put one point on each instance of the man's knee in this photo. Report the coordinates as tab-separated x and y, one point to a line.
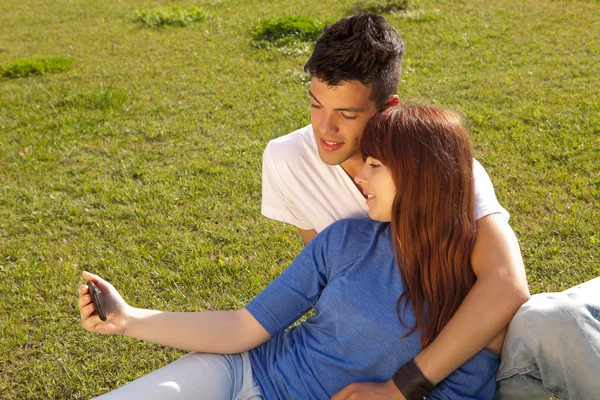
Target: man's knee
548	317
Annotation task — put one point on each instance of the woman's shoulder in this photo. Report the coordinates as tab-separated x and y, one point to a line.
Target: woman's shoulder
348	241
356	229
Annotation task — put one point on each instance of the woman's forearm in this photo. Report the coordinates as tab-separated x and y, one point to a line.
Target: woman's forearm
211	332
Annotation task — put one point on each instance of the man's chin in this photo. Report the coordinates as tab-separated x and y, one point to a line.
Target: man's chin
331	159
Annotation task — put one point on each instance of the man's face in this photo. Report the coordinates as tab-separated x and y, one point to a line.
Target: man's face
338	115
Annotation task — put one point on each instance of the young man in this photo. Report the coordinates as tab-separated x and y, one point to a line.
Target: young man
308	181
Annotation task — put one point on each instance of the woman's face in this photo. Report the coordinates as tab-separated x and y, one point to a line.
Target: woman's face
378	187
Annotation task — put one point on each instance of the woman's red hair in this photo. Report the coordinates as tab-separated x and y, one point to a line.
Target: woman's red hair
427	151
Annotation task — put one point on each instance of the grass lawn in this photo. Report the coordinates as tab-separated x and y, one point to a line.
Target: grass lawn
139	158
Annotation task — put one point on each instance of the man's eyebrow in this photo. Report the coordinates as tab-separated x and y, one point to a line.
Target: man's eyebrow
349	109
313	96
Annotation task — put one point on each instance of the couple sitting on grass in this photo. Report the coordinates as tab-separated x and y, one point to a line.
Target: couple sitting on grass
414	302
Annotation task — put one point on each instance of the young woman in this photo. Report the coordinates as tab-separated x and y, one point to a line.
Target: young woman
381	289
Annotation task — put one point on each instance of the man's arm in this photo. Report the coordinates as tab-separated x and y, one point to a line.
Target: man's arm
482	318
307	235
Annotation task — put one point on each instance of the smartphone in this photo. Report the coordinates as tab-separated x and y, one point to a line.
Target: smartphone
96	300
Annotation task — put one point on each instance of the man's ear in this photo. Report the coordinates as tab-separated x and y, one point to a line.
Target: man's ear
392	101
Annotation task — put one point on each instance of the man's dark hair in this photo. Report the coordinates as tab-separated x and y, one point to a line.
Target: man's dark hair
363	47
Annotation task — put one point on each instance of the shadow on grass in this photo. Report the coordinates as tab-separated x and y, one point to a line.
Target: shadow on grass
36	65
289	35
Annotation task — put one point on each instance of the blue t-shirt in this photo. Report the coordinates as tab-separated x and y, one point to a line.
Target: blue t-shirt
348	274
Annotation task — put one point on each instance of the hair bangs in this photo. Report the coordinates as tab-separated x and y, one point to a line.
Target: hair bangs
376	140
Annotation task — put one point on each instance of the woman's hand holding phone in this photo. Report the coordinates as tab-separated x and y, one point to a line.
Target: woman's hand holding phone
115	308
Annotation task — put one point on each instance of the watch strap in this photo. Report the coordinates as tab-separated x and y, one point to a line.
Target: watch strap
411	382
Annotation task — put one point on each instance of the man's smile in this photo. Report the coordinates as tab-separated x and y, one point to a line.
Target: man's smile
329	145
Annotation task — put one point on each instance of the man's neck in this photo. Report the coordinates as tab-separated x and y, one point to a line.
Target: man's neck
352	167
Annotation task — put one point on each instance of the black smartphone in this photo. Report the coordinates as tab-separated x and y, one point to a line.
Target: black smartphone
96	300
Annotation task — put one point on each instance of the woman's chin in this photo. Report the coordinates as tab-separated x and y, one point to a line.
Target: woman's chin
378	217
374	216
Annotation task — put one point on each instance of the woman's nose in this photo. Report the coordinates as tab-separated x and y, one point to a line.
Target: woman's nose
361	178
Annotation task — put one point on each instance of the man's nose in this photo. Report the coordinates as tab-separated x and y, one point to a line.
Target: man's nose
328	124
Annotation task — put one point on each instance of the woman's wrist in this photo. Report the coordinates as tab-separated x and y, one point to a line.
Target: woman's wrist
128	314
133	321
411	382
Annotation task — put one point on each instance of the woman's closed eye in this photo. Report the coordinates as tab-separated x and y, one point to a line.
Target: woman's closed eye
373	163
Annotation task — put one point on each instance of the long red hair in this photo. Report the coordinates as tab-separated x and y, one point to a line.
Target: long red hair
427	151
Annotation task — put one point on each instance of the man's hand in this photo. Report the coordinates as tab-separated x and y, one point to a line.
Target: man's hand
370	391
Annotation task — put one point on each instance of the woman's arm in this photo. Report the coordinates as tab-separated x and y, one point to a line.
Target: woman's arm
222	332
214	332
279	305
482	318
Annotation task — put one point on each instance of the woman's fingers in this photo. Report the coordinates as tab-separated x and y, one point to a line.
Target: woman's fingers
100	283
89	320
86	310
83	289
84	300
114	306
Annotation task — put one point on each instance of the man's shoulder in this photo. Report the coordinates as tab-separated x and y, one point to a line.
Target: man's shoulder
293	146
301	135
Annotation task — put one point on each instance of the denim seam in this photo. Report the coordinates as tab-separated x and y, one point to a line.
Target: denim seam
515	371
527	370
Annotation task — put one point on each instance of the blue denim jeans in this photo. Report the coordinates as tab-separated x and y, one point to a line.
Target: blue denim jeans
195	376
553	347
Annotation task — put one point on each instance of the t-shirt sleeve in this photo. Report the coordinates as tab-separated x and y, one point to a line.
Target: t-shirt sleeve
293	293
276	195
486	202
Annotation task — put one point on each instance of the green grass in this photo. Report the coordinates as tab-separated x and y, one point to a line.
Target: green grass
170	15
287	28
143	163
287	35
36	65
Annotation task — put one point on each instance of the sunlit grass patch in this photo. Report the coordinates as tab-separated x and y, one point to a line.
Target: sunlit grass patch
170	15
36	65
92	99
420	15
381	6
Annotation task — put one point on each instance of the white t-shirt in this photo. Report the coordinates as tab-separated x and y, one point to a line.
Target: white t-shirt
300	189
